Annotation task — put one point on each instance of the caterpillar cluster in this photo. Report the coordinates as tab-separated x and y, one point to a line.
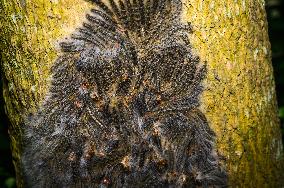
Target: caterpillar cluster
122	110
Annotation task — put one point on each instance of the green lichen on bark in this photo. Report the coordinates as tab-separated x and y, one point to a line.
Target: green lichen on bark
29	31
230	35
240	99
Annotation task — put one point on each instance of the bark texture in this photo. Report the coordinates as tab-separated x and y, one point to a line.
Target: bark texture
240	99
231	36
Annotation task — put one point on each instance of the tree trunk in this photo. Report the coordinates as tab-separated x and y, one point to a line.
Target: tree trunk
238	100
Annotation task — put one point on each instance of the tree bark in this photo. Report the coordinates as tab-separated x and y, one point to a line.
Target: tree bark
239	100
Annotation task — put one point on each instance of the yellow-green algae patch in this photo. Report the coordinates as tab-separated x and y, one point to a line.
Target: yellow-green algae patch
239	100
239	97
30	31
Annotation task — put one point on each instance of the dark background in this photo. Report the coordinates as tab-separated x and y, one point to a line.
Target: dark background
276	33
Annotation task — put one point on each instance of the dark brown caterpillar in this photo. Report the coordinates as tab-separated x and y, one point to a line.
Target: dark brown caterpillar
122	110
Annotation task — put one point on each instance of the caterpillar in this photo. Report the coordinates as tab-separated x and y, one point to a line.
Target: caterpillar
122	108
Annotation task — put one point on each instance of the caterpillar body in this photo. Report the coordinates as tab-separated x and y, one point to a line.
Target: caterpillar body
122	110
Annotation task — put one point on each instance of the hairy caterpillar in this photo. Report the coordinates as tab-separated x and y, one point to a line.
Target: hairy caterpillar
123	105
